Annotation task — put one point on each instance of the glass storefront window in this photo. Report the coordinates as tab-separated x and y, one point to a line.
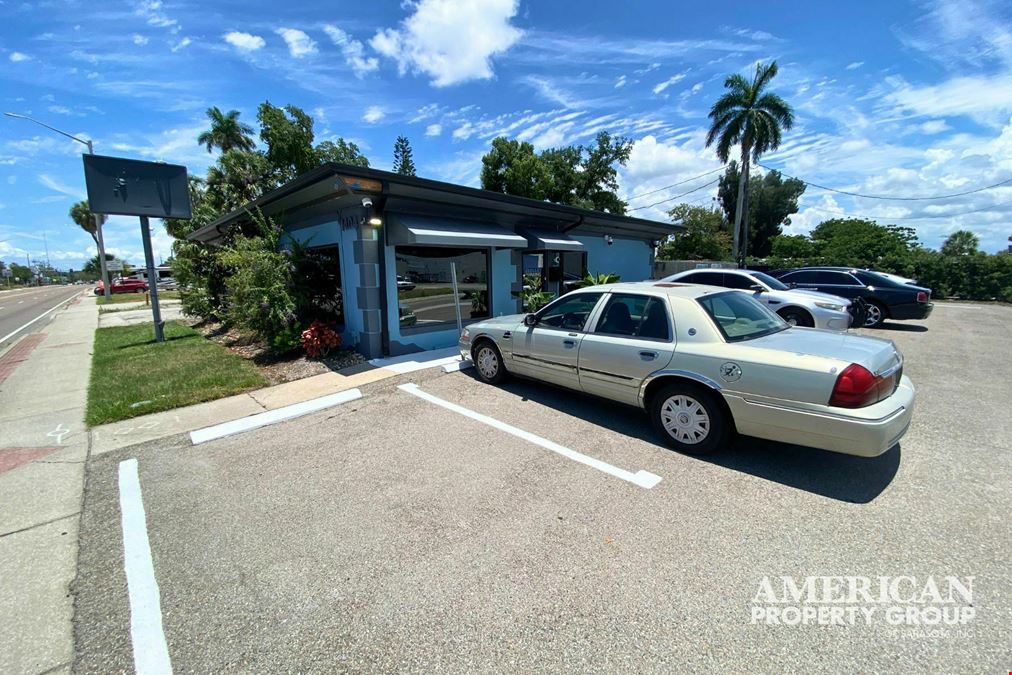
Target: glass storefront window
425	288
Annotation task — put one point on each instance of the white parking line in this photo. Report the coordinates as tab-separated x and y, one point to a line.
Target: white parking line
956	306
272	416
151	653
642	478
455	366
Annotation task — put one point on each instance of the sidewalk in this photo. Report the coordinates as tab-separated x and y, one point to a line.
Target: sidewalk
43	449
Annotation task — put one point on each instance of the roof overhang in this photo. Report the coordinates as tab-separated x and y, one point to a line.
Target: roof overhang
333	181
424	230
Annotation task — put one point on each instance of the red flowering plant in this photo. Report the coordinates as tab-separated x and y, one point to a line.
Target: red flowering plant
319	339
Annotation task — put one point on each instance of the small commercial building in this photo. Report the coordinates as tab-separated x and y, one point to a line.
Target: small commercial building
392	242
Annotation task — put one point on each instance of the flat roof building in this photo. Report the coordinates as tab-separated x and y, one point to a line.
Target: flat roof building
391	239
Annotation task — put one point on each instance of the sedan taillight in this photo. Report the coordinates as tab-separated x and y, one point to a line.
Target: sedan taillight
922	296
857	387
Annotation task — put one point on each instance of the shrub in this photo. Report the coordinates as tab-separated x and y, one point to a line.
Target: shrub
319	339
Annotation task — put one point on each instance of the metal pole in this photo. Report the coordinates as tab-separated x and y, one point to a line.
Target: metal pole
456	295
149	260
99	221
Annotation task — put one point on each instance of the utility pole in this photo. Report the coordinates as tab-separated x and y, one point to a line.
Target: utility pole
99	220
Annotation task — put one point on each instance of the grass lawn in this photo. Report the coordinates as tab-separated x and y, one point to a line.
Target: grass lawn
134	297
133	375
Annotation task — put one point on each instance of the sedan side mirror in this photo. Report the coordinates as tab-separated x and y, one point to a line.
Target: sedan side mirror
757	288
530	320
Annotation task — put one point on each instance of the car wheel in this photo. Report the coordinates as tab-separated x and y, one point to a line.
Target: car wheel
689	419
797	317
876	315
488	363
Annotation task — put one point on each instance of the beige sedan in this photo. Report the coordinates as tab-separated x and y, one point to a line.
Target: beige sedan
706	362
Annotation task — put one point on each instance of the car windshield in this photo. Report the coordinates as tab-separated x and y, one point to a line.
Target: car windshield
774	284
740	317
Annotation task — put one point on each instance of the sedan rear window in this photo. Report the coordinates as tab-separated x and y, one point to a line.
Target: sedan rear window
740	317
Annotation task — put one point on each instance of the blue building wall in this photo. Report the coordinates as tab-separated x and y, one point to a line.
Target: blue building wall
628	258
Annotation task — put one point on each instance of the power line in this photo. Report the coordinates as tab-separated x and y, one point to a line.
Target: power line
883	197
670	199
667	187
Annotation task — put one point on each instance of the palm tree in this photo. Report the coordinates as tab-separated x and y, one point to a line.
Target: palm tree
82	215
226	132
747	116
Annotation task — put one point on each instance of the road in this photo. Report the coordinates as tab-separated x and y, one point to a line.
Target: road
395	534
20	307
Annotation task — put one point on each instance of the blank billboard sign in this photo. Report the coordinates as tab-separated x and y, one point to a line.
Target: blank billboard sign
130	187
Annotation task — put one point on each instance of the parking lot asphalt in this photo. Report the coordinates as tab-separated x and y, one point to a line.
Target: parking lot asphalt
392	533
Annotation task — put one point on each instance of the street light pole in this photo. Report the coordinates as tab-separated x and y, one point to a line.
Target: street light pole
98	218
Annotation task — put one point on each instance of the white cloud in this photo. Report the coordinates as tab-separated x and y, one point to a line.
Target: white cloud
299	44
373	114
451	41
434	130
151	10
353	50
674	79
63	189
464	131
855	65
934	127
985	98
182	44
60	110
19	56
244	42
139	39
620	82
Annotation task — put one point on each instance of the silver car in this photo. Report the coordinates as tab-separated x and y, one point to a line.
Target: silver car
798	308
705	363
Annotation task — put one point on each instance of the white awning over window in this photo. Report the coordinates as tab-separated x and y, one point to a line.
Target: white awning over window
552	240
429	231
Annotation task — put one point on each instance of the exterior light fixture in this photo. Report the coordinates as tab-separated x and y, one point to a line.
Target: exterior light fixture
375	221
608	239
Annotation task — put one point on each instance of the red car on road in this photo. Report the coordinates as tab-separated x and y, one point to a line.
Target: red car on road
123	286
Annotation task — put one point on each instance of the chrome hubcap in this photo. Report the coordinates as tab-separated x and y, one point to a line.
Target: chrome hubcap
685	419
488	364
793	320
874	315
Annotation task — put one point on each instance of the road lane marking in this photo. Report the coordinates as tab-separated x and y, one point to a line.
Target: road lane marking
272	416
642	478
151	652
956	306
21	328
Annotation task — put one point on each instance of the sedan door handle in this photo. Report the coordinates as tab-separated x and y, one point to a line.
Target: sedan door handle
569	343
648	356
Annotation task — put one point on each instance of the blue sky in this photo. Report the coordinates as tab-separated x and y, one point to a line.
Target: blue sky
895	98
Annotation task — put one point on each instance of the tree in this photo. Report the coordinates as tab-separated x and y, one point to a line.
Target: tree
705	236
226	132
92	267
81	214
754	120
288	134
584	176
238	177
796	246
511	167
861	243
961	243
340	152
403	163
771	199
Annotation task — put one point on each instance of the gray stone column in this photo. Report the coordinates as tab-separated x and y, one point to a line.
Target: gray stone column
366	254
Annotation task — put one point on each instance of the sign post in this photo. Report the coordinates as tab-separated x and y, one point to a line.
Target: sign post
130	187
149	261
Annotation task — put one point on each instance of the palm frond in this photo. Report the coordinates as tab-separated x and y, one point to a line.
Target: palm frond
778	108
730	136
764	72
728	102
737	83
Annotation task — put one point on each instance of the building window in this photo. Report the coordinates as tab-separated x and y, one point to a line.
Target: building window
556	272
320	274
425	287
